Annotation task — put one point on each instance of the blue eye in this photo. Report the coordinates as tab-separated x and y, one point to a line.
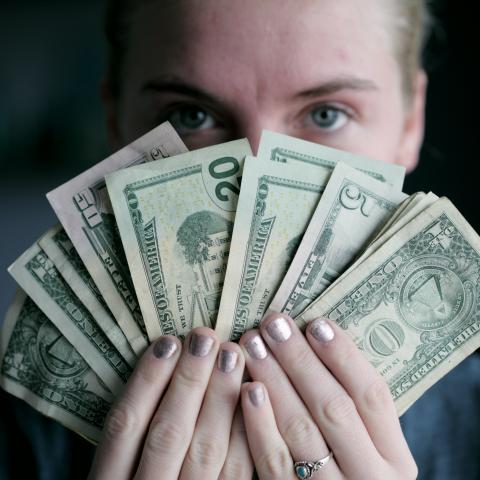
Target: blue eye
328	117
190	118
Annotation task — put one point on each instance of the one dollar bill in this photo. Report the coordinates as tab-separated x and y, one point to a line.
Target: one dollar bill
39	278
413	306
59	248
40	366
83	208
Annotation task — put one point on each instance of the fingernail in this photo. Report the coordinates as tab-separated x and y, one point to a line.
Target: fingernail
200	345
279	329
321	330
165	347
256	395
256	348
227	360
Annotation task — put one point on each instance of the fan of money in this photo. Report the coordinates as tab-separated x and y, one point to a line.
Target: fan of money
157	240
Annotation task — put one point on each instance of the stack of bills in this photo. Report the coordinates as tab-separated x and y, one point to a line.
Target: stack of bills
157	240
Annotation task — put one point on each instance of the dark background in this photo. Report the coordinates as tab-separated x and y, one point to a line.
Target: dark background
52	56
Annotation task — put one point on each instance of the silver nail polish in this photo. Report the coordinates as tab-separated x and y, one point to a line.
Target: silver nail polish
256	395
256	348
165	347
321	330
227	360
279	329
200	345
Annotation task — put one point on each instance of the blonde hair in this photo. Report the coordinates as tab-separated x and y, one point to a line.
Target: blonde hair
409	19
411	24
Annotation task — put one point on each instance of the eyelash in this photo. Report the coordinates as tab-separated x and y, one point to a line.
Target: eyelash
306	116
331	107
178	109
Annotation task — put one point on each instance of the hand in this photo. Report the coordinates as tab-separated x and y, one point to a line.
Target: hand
316	394
174	418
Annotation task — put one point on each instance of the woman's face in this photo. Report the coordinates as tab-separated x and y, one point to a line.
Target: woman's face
321	70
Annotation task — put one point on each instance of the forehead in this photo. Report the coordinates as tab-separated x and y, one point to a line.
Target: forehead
257	43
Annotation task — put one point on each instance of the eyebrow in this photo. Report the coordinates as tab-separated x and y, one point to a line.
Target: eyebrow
176	85
172	84
333	86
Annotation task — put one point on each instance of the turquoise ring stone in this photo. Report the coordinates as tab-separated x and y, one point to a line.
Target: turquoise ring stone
305	469
302	472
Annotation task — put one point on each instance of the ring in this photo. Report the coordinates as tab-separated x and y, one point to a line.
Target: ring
305	469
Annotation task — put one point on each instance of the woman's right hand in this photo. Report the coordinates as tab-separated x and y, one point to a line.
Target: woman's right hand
174	418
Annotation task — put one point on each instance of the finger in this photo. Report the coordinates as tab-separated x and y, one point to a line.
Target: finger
365	386
330	405
208	448
270	452
128	419
173	424
294	421
239	463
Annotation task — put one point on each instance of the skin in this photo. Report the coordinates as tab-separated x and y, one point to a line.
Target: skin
320	70
253	68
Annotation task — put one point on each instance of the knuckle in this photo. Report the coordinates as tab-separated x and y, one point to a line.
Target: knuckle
346	355
164	437
236	469
120	422
205	452
190	378
146	373
299	429
274	464
339	409
377	395
306	363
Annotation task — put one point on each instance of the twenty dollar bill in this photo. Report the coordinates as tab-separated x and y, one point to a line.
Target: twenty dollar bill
284	149
175	218
275	206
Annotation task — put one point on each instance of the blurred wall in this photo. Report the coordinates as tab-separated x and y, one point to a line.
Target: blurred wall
51	122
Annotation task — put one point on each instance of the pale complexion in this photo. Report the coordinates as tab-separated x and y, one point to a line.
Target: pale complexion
321	70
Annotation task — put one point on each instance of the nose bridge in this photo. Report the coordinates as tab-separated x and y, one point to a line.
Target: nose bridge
253	132
252	125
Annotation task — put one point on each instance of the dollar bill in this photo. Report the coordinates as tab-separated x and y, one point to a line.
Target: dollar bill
284	149
353	207
415	205
275	205
59	248
39	278
175	219
413	307
83	208
411	211
40	366
402	209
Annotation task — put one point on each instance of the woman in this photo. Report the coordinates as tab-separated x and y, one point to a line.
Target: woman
342	73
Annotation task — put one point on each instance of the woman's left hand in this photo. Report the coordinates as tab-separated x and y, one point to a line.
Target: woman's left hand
316	394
